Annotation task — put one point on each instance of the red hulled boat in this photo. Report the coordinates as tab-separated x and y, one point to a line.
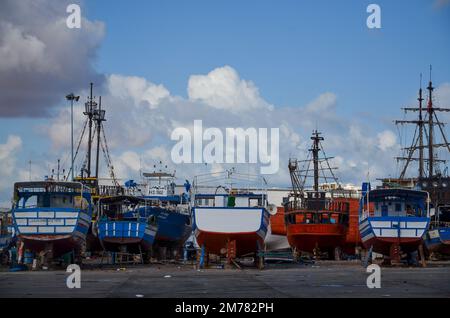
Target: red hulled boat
321	219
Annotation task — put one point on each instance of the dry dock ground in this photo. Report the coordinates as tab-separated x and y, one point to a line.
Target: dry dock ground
324	279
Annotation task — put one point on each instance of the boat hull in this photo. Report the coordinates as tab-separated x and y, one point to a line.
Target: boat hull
135	236
307	237
381	233
216	243
438	240
214	228
64	230
174	227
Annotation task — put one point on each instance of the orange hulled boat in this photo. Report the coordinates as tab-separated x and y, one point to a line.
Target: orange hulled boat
324	218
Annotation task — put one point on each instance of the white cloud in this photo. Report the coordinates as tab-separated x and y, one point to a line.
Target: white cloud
8	161
139	89
386	140
41	59
325	103
20	51
140	121
442	94
223	88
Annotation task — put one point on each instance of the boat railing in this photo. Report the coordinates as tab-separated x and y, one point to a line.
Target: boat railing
231	183
107	190
317	205
436	223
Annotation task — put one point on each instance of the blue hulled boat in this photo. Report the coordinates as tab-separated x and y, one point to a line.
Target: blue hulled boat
52	216
393	220
121	226
437	239
170	211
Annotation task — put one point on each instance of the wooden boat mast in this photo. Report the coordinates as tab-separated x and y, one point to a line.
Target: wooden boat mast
300	175
431	121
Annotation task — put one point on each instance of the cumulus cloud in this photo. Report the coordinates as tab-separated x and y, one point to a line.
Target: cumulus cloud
324	103
141	116
138	88
8	153
41	59
386	139
223	88
442	94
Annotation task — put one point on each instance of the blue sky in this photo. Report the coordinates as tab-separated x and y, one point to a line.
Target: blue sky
293	52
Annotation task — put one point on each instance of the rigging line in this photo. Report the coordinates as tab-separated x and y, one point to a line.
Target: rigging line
108	158
328	164
306	166
78	146
411	152
442	132
323	173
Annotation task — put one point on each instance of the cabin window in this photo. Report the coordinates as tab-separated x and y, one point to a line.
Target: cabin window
219	201
30	202
255	202
398	207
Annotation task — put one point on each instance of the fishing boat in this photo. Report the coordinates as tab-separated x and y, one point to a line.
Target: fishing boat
52	216
123	226
170	209
393	220
229	219
6	235
437	238
93	130
322	219
277	224
428	150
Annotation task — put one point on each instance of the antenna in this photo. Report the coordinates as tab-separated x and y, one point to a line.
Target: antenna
29	162
431	68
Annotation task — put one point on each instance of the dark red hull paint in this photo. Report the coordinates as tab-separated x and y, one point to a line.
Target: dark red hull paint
246	243
383	245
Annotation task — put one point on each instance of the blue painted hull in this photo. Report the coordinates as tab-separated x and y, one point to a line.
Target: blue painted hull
64	228
381	233
136	236
438	240
174	227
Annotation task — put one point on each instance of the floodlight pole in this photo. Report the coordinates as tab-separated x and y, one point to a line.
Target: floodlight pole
72	97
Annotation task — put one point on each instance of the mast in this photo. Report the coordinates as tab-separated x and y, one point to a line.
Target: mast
315	151
425	126
420	99
430	128
321	168
89	111
99	116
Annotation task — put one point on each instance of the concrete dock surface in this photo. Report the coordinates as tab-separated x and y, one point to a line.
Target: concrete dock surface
323	279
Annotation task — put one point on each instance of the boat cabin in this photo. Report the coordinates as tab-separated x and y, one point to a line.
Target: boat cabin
231	200
398	203
317	208
124	208
28	195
